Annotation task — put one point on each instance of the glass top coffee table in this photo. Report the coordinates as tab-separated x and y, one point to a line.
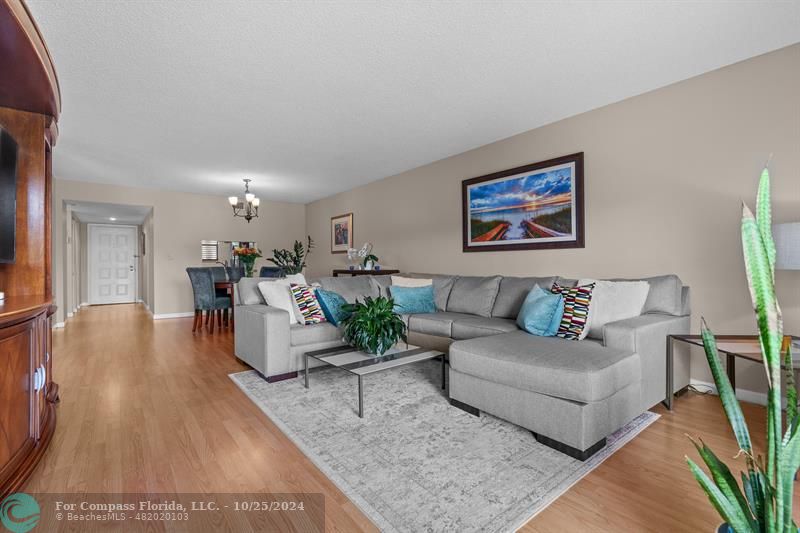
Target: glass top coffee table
361	363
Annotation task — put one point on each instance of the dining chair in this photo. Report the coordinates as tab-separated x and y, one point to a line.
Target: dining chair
235	273
220	274
206	298
270	272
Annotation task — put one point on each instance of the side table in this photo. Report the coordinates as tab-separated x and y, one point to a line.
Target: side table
747	347
347	272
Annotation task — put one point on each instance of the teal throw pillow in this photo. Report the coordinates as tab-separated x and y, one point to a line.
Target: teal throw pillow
331	304
541	312
413	300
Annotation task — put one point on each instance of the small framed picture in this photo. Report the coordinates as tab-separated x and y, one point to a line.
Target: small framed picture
341	233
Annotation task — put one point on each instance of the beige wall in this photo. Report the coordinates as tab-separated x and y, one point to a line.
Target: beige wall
665	173
179	222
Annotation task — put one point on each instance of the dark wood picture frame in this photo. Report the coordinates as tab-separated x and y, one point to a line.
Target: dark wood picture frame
578	206
350	240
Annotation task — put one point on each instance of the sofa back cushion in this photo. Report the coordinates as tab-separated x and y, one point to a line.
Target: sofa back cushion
665	295
381	284
513	292
474	295
247	292
351	288
442	286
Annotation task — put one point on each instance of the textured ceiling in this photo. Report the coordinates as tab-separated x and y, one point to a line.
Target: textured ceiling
312	98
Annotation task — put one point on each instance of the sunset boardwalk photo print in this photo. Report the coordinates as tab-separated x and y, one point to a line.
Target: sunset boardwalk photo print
535	206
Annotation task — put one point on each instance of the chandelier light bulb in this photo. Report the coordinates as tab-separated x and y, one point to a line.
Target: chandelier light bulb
233	200
249	197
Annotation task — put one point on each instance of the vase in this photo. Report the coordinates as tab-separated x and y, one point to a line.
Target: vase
249	268
368	265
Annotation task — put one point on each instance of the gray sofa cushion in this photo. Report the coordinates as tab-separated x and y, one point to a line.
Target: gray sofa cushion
442	286
313	333
582	371
478	326
381	284
664	296
513	292
474	295
247	292
351	287
439	324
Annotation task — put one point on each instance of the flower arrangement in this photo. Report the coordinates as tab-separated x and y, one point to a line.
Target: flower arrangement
247	256
364	255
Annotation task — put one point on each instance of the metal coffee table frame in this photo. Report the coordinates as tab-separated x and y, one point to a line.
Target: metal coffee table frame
361	364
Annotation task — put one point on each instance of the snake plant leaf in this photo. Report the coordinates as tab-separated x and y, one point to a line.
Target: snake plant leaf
726	483
726	393
726	509
753	486
791	386
764	218
788	464
762	293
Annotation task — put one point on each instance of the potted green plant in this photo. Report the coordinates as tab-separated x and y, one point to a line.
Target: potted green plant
373	326
369	261
293	261
763	503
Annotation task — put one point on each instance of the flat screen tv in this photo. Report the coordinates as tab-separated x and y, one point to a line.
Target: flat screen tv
8	196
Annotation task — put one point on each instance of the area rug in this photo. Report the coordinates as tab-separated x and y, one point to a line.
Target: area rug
415	463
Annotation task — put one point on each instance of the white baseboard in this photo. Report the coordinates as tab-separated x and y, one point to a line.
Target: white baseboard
84	304
163	316
69	315
741	394
58	325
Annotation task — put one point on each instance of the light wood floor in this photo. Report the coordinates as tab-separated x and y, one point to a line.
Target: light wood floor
148	406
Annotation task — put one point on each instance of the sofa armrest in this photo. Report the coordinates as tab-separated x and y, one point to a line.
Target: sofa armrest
646	335
262	338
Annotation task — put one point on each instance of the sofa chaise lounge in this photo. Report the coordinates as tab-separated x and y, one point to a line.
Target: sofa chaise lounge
570	394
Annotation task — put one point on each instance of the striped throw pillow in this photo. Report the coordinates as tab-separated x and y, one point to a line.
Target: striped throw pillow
574	322
306	304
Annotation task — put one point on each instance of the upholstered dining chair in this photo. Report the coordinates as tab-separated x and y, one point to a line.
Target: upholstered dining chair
270	272
206	299
235	273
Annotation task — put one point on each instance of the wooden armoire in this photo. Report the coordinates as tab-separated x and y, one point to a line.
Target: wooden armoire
30	102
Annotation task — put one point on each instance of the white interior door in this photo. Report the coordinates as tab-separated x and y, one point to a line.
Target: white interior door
112	265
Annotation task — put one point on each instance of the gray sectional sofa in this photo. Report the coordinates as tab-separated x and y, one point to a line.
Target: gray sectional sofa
570	394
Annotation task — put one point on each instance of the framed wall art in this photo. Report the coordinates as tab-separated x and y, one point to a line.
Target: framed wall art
536	206
341	233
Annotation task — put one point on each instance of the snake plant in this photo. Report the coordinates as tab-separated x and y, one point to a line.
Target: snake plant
763	502
373	326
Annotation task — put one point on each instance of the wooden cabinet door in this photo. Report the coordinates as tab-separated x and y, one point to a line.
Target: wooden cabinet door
17	431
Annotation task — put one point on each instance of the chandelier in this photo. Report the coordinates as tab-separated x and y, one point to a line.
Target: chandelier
247	209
